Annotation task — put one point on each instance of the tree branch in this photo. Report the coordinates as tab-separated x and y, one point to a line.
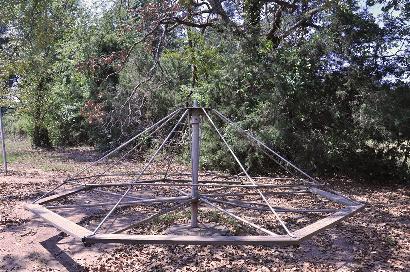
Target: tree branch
284	4
187	23
218	9
276	24
304	19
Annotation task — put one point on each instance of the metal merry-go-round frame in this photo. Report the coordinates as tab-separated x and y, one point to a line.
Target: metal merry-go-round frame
194	196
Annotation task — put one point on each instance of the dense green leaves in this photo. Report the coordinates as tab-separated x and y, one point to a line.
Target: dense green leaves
324	83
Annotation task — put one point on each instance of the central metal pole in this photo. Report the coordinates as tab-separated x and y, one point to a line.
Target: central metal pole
195	122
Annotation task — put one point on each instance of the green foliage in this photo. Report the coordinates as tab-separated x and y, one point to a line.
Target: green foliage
42	53
326	85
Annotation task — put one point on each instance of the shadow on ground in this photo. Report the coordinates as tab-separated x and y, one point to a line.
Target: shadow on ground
51	245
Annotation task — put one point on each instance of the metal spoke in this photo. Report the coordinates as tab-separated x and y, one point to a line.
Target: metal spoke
128	203
251	136
205	200
171	160
152	217
264	207
182	184
117	194
248	176
255	193
120	159
108	154
143	170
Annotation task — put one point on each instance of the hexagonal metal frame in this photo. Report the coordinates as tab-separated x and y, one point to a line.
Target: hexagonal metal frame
90	237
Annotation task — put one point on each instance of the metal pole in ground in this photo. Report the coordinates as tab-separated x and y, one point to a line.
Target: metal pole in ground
3	143
195	122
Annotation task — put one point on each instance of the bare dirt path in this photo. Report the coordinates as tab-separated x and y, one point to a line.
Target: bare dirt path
376	239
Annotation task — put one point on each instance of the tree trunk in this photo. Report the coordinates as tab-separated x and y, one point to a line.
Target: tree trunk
40	137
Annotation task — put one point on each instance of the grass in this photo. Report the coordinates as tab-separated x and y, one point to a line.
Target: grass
16	149
236	228
168	218
20	151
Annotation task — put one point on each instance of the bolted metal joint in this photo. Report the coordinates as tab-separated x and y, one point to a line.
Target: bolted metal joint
195	119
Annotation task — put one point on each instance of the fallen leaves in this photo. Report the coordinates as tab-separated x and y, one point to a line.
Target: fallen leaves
376	239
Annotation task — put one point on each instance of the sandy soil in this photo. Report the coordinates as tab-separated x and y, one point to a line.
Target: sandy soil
376	239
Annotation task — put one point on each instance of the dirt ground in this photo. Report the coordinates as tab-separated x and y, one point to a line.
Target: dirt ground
376	239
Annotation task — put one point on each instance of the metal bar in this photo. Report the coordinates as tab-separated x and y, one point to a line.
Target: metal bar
62	194
200	174
145	220
191	240
208	181
227	120
115	175
176	175
128	203
258	177
249	177
334	197
248	186
215	190
143	170
3	142
205	200
116	194
237	204
255	193
148	181
93	185
278	209
59	222
195	149
328	221
51	191
129	174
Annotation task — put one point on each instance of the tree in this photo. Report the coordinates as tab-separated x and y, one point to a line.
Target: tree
301	76
37	32
321	81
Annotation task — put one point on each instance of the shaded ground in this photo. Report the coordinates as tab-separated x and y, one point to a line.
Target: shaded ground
376	239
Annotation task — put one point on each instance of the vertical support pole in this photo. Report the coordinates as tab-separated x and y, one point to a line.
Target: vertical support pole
195	122
3	143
